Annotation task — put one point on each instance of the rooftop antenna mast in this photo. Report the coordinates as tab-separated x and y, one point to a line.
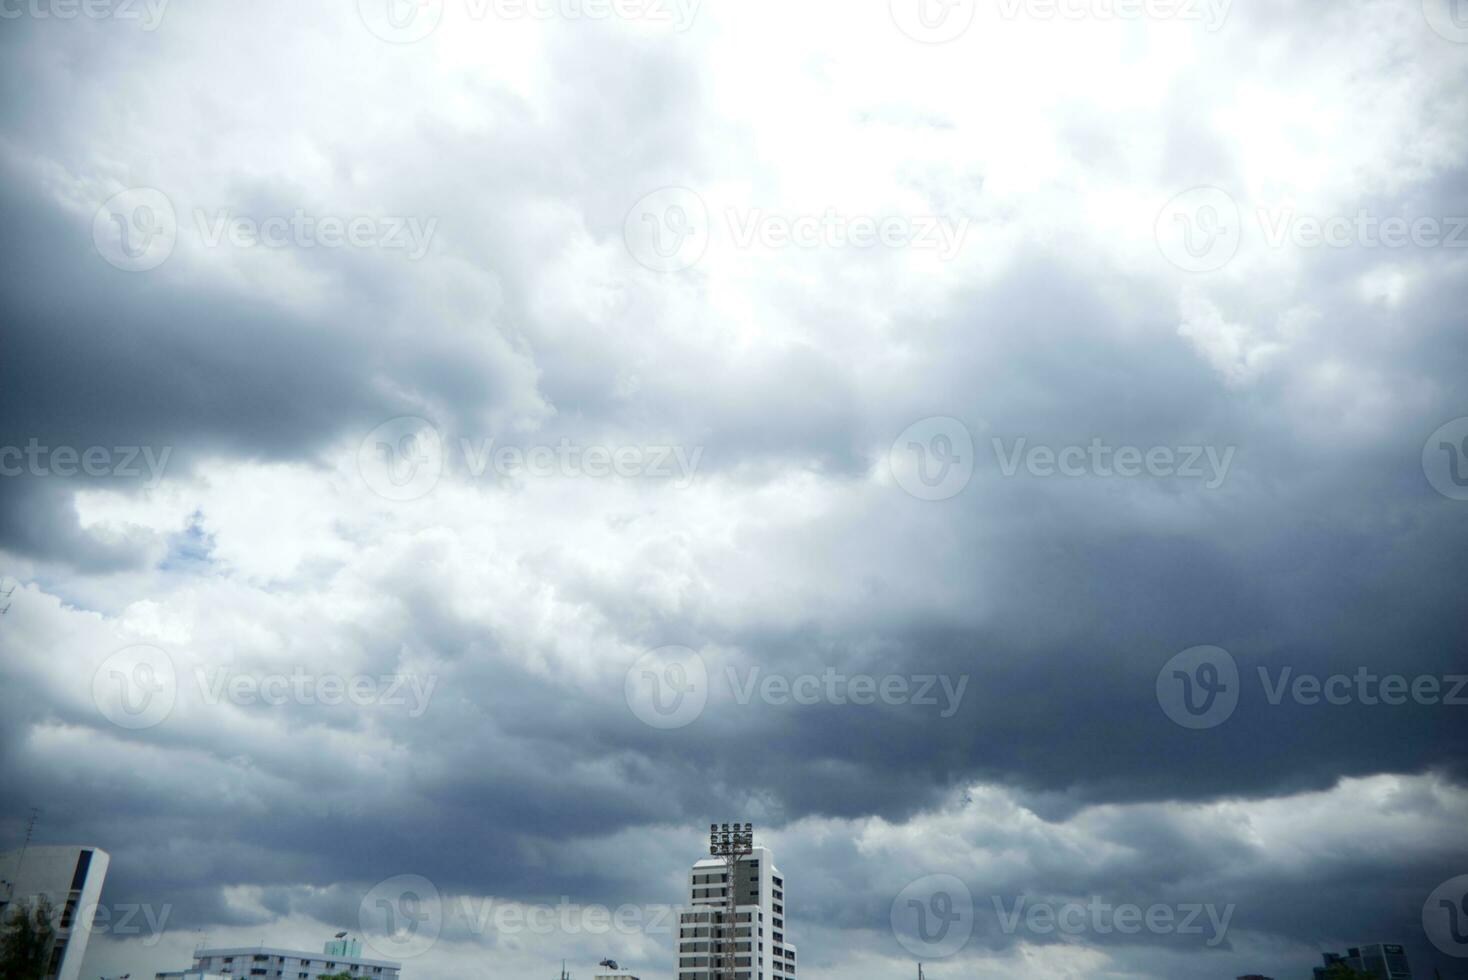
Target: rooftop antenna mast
30	827
731	845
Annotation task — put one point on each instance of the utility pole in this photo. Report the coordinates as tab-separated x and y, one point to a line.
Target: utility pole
731	845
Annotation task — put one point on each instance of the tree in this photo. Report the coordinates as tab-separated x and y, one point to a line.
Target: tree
26	939
1341	971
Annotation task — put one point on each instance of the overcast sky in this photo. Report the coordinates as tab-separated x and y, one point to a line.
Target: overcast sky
488	442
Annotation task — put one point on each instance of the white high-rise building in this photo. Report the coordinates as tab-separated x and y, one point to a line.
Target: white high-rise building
761	951
70	879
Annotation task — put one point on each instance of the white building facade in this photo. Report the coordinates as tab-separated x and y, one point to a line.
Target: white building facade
70	878
269	963
761	951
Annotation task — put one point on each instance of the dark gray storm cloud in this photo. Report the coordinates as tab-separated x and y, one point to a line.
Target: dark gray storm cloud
1042	607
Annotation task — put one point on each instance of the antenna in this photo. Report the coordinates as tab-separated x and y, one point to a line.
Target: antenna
30	827
731	845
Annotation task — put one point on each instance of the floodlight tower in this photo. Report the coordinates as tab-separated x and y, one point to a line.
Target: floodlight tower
731	845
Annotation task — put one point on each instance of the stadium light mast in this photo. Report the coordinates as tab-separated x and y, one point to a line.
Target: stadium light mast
731	845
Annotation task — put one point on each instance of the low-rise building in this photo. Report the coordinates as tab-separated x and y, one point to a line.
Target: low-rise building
272	963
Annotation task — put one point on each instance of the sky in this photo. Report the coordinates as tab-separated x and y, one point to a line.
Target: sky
1009	451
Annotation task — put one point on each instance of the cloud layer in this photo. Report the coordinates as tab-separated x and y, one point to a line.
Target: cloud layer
469	369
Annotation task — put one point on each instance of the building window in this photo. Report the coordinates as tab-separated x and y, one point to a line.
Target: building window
79	876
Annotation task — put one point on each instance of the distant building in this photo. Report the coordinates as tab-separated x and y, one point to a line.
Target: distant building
1387	961
345	948
269	963
70	878
619	975
760	949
